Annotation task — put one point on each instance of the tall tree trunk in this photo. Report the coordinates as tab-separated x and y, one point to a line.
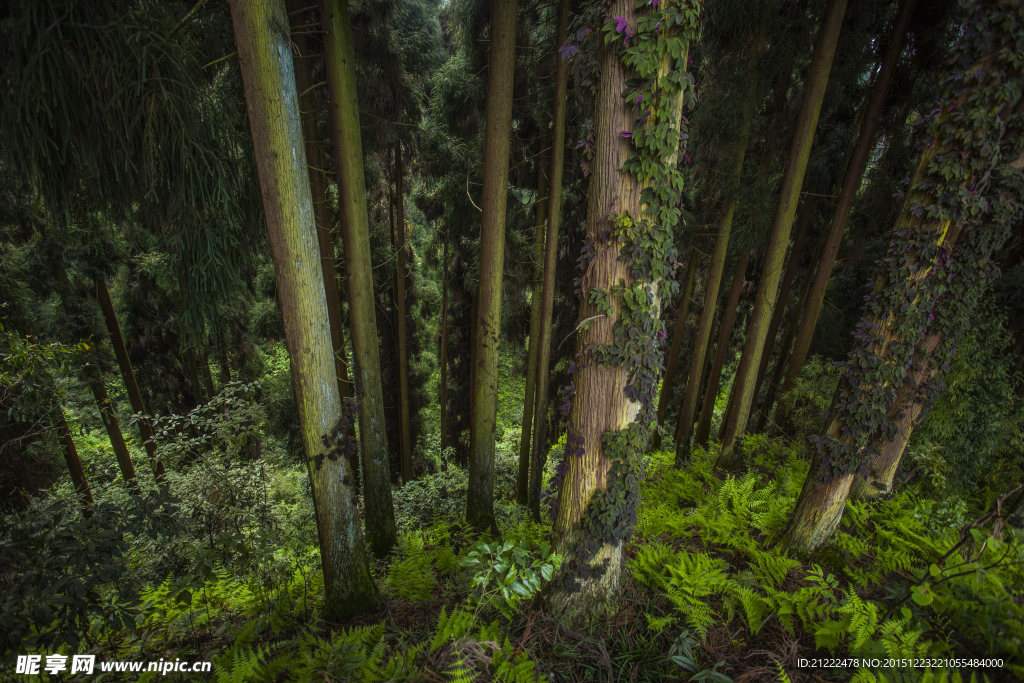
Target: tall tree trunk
444	346
721	352
128	374
265	57
701	343
497	137
318	188
789	196
204	359
792	266
848	193
355	232
75	467
682	313
787	341
526	437
94	379
400	322
554	216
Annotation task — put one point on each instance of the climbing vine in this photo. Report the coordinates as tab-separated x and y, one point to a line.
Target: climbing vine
654	51
935	269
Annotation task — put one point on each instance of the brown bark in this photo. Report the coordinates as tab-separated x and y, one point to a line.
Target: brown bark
401	341
75	467
526	437
848	193
787	283
94	380
683	311
124	363
497	137
554	209
721	352
444	347
796	168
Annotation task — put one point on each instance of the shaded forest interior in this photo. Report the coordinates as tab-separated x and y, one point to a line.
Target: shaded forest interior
509	340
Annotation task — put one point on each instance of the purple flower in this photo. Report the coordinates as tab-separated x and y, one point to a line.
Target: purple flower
628	34
620	24
654	4
584	32
661	333
639	99
568	50
626	134
687	157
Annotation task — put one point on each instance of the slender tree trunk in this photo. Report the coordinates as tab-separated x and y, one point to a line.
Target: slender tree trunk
265	57
400	322
721	352
767	290
318	187
497	137
127	374
526	438
554	209
75	467
355	232
848	193
701	343
204	359
683	312
787	341
792	266
444	347
192	368
94	379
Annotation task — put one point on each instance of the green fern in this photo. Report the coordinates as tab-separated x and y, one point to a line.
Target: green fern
412	577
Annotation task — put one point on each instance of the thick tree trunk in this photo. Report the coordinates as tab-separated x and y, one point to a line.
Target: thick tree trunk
497	137
682	313
789	196
265	56
128	374
848	193
318	188
721	352
554	215
348	162
526	437
401	332
443	353
792	266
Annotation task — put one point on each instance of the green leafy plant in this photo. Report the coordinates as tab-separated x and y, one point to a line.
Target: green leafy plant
506	574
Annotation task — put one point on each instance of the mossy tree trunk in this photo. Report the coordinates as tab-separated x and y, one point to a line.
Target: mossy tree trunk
268	75
789	196
355	233
537	293
75	466
94	380
401	332
124	363
497	138
552	223
848	193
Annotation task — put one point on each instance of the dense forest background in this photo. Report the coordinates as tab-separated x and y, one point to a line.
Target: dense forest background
513	340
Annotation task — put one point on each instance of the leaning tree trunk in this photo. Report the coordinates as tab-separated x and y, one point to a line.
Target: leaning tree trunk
792	266
615	375
355	232
265	57
952	179
75	466
128	374
94	380
318	187
526	437
554	215
497	137
682	313
401	341
848	193
721	351
789	196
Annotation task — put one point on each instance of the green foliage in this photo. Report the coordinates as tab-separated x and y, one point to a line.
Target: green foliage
506	574
412	577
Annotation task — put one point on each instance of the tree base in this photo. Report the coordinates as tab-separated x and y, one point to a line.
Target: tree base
585	603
